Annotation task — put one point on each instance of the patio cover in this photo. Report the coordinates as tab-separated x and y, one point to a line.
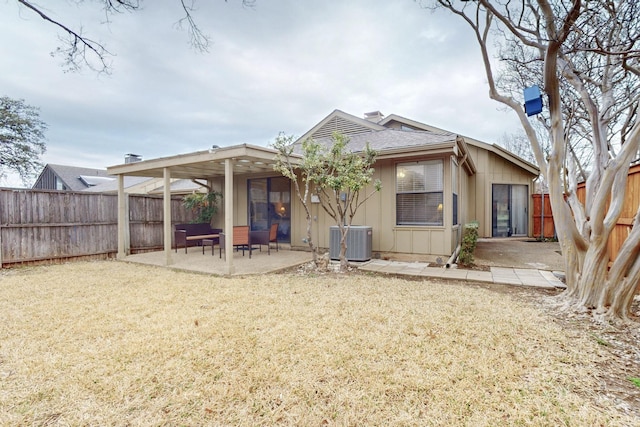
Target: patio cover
216	162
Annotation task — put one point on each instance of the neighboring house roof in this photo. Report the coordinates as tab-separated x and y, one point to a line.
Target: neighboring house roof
181	186
72	177
112	185
146	185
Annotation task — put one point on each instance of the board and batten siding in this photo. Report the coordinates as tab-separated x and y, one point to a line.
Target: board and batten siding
379	213
492	169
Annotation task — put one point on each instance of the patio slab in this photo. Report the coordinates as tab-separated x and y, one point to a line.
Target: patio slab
479	276
195	261
505	275
263	263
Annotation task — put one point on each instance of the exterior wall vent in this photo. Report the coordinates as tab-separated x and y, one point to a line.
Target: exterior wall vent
358	243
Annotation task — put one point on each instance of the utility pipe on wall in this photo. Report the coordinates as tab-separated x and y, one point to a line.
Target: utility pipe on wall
453	257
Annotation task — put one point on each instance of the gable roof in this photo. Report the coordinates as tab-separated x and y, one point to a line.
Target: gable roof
493	148
389	143
74	178
339	121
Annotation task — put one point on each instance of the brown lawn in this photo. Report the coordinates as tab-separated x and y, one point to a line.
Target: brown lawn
110	343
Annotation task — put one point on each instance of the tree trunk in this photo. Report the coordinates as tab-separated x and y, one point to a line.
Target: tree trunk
344	263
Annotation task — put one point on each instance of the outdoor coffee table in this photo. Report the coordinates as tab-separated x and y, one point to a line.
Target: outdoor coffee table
208	242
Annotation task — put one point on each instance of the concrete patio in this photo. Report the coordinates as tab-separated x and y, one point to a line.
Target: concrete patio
195	261
263	263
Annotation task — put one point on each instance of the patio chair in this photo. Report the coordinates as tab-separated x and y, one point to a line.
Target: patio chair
240	240
260	237
273	235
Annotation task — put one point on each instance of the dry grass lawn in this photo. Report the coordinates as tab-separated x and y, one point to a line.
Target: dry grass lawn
110	343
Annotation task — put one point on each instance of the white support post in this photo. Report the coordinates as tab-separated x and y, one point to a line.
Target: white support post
168	260
228	215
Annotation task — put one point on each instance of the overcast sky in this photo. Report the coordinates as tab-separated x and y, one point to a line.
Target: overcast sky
278	66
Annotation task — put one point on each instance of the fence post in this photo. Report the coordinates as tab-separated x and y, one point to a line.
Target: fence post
124	245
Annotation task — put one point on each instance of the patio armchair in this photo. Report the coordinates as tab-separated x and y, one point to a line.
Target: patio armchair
273	235
241	240
260	237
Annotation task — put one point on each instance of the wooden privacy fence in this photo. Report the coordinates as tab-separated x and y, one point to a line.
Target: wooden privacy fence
623	226
41	225
543	217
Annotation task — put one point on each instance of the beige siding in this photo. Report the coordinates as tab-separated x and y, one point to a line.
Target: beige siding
492	169
379	213
474	199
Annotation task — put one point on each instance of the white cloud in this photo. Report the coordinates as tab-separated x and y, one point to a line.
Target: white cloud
280	66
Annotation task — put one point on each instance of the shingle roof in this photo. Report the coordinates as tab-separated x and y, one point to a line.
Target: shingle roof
391	139
70	175
112	186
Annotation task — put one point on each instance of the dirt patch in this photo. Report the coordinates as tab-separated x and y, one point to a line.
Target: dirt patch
519	253
511	252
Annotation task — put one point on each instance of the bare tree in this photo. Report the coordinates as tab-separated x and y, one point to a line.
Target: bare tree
79	50
586	57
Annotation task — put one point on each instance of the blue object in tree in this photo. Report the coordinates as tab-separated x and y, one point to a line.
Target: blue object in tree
532	100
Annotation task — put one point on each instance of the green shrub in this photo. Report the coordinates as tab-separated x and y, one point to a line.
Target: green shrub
469	242
205	205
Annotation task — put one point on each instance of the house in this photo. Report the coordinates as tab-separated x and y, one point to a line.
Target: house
73	178
433	182
70	178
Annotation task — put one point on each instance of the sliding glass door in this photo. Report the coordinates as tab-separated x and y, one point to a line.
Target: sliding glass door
510	210
270	202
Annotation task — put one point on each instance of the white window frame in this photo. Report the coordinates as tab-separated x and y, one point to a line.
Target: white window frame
420	197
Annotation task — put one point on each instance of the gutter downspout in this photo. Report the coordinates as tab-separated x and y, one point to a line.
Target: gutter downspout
453	257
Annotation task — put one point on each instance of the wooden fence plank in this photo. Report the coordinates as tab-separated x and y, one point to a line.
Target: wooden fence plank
38	225
627	216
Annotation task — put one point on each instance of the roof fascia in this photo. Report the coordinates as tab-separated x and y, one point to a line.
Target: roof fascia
464	159
505	154
218	154
434	149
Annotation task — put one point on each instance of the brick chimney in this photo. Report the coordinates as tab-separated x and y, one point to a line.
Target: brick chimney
132	158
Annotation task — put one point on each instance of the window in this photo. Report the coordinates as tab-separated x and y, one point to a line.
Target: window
59	184
419	187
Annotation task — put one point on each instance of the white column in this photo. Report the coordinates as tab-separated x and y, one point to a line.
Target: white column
228	214
167	216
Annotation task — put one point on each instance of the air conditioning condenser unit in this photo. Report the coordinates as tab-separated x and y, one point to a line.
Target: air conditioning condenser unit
358	242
